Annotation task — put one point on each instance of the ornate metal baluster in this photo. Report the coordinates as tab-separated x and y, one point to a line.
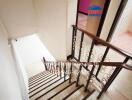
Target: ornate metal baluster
54	67
84	53
60	69
79	74
91	50
77	45
73	41
64	71
103	58
82	37
45	63
112	77
70	74
57	69
49	67
90	76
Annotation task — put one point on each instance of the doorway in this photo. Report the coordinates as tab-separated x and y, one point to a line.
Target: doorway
89	14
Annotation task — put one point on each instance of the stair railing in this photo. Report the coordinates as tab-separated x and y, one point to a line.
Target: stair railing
80	44
65	68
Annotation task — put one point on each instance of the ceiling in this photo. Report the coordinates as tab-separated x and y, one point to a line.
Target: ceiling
18	17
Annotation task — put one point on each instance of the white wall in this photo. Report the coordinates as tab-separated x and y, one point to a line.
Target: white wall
9	85
31	51
123	32
109	18
71	19
52	20
20	71
48	18
123	82
125	21
18	17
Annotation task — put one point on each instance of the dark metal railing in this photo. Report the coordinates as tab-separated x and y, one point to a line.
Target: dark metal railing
65	68
94	40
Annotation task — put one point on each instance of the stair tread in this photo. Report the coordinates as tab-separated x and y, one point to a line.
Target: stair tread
78	95
95	94
42	81
30	78
61	95
45	85
40	78
38	75
57	89
57	81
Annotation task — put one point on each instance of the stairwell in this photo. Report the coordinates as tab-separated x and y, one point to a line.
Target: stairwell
77	79
49	85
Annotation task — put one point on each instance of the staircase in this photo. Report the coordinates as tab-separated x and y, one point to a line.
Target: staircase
80	77
48	85
65	81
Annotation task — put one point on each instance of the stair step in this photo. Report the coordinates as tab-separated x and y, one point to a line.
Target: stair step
42	81
48	87
37	76
95	94
65	91
88	95
54	90
40	78
43	84
79	95
77	89
43	87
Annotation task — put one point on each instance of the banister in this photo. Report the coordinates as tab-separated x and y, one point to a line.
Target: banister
128	67
104	42
110	64
104	85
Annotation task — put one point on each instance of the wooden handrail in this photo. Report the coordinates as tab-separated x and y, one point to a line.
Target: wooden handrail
126	66
110	64
104	42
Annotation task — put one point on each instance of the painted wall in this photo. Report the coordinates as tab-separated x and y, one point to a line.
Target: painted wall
83	6
9	85
31	51
20	71
71	19
109	18
52	21
45	17
18	17
122	38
